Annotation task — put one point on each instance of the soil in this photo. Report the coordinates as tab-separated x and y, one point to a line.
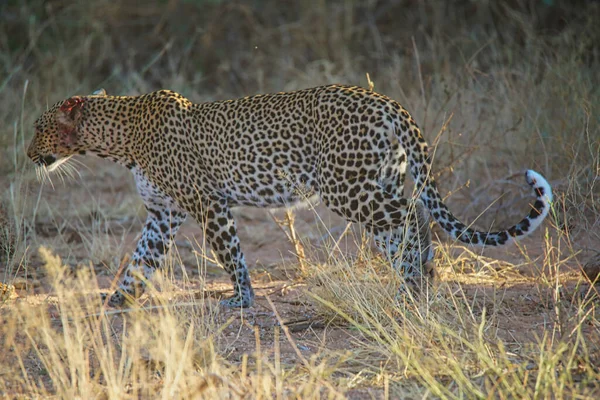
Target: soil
105	198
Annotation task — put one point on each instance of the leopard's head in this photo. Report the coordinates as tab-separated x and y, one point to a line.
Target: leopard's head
58	132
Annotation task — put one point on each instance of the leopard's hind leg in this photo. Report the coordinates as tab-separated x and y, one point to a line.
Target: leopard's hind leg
373	197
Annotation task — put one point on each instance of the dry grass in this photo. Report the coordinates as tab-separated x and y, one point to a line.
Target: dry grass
497	87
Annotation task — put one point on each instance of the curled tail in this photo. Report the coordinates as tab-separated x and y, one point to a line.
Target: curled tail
425	184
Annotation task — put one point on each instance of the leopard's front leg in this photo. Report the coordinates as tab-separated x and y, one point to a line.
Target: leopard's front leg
157	237
163	222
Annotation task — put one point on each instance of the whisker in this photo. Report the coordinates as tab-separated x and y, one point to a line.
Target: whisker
59	173
47	173
62	168
80	163
67	173
72	170
58	163
42	173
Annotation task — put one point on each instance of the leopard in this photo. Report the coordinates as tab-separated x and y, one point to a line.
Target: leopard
347	145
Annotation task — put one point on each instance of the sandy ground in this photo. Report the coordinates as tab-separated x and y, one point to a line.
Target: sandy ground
106	207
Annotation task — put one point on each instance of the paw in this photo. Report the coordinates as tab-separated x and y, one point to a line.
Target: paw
415	287
117	299
411	288
407	291
244	300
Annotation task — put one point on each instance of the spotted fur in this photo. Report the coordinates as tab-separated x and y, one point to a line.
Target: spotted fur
349	145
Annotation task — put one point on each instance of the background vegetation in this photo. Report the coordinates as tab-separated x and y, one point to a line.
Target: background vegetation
497	86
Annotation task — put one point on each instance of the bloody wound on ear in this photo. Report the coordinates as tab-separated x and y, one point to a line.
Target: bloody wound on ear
69	114
71	103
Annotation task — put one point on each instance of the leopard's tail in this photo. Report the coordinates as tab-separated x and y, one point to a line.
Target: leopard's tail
420	169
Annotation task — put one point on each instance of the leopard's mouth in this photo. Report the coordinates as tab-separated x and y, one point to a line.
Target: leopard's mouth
42	161
47	161
50	162
57	163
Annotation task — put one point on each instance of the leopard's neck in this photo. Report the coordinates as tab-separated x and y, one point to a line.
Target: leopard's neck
109	126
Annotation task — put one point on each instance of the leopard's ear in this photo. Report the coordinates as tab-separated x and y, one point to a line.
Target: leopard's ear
99	92
69	114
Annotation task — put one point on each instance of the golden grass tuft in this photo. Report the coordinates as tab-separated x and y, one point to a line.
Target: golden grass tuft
8	239
455	341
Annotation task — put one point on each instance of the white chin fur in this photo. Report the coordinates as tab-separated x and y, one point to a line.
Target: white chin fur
58	163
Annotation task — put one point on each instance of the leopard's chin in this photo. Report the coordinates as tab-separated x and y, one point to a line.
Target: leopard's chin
57	163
